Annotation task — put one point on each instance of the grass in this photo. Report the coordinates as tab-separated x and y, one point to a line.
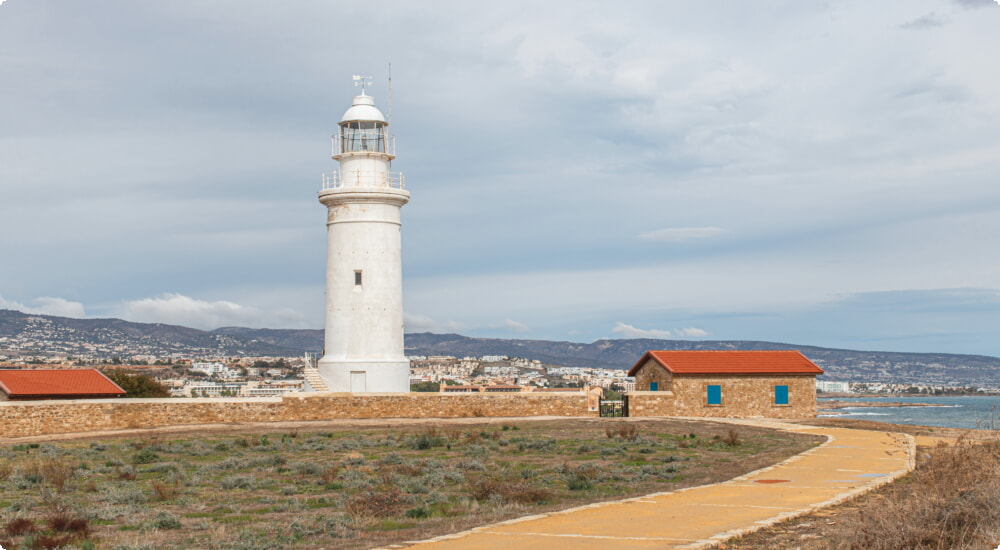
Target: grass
951	501
354	488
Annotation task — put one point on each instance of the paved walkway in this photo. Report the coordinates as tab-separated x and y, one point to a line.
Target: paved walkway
849	463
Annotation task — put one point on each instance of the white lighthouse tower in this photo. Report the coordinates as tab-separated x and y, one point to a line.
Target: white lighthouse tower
364	276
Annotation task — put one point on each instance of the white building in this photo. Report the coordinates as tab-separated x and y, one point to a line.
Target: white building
833	386
215	369
364	277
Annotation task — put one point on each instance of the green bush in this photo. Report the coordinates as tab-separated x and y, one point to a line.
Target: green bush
418	513
145	456
166	520
136	385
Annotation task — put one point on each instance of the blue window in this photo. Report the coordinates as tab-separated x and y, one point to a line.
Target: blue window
713	395
781	395
654	386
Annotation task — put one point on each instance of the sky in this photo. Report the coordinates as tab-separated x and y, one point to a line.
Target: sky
815	173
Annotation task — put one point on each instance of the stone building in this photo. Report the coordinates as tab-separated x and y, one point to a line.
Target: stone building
726	384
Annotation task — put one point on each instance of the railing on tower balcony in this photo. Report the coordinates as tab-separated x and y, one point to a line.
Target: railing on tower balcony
365	179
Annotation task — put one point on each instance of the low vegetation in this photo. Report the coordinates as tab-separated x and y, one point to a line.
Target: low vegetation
951	501
352	488
136	384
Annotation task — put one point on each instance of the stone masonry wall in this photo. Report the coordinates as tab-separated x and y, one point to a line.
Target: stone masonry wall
652	371
18	419
745	396
650	403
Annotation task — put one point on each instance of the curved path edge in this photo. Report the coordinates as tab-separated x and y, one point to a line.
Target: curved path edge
850	463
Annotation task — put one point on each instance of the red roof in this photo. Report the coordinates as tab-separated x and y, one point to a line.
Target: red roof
731	362
57	383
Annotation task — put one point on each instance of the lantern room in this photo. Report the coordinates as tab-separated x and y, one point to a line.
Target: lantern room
363	130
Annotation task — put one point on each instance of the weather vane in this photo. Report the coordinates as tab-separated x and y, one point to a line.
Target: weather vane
363	81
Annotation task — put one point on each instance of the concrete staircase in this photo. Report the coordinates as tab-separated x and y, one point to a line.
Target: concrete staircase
314	382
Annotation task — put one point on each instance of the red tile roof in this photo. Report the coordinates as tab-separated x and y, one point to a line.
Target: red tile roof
57	383
731	362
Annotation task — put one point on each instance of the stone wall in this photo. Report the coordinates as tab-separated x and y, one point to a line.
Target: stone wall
745	396
18	419
652	371
650	403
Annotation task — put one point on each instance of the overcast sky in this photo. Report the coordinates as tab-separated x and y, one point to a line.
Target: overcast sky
818	173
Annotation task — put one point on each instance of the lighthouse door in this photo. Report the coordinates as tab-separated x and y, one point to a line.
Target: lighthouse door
357	381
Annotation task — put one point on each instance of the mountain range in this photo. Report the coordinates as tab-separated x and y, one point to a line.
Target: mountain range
32	335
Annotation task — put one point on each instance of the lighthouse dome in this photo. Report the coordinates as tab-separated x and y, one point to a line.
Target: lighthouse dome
363	108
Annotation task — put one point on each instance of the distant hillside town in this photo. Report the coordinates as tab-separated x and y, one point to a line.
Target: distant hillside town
262	358
274	376
270	376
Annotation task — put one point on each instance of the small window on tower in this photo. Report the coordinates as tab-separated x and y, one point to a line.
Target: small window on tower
357	278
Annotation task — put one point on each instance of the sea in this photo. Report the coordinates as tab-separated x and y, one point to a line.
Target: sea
967	412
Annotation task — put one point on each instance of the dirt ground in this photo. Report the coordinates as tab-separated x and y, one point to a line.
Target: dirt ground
251	428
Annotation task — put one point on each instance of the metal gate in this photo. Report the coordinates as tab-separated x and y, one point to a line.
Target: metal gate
613	409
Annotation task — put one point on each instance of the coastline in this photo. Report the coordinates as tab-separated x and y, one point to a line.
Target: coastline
966	412
926	435
834	405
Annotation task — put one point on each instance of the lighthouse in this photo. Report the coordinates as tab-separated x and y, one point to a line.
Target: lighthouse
364	276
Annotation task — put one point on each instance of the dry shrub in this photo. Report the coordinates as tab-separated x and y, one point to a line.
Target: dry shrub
5	470
63	522
58	521
19	526
383	502
165	491
483	488
411	469
732	438
329	474
952	500
624	431
52	542
56	472
432	431
386	474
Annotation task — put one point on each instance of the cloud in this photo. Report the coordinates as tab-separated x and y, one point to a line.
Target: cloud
929	21
48	305
973	4
629	331
678	234
421	323
515	326
178	309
